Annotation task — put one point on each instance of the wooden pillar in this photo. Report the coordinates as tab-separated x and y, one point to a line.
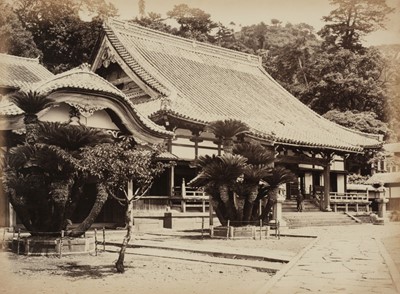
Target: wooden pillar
183	188
327	188
218	142
196	140
171	181
211	211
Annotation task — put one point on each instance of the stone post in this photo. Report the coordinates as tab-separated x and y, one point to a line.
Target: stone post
381	217
278	207
382	202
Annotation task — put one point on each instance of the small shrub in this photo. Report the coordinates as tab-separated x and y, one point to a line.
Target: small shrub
395	216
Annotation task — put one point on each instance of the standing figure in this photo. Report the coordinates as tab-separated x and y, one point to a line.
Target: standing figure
300	199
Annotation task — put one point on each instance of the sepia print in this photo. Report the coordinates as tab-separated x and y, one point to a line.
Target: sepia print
198	146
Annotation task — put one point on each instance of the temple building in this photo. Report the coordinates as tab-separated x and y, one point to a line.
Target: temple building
162	88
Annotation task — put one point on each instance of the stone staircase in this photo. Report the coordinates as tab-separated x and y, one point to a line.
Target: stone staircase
312	216
291	206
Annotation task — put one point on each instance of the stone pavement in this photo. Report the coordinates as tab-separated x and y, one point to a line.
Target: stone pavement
345	259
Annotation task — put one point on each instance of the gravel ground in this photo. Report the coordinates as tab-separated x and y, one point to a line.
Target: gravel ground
392	245
144	274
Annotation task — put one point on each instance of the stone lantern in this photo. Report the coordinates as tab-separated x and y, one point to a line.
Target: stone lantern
380	219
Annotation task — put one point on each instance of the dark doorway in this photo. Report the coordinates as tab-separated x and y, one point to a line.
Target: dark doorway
333	182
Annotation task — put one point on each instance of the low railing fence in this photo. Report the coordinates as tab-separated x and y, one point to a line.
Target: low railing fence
349	199
55	244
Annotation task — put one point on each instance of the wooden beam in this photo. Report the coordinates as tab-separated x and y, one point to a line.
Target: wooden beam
302	159
123	80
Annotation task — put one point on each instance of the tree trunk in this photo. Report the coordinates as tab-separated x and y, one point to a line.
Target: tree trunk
228	205
76	193
248	206
21	210
227	146
94	212
239	215
60	191
219	210
119	265
31	121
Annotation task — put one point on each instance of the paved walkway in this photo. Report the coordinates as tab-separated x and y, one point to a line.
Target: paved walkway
347	259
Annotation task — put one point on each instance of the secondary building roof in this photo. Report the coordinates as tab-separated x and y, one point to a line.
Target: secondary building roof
385	178
92	93
17	72
392	148
203	83
79	79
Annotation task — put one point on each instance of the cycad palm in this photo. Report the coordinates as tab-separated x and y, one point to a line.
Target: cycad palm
260	161
31	102
219	174
70	137
227	130
54	160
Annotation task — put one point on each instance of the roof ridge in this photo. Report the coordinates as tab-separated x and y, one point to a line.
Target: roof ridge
82	69
223	52
36	59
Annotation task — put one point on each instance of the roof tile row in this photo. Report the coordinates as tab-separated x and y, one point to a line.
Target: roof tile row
212	85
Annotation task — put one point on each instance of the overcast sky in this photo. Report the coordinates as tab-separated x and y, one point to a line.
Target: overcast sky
247	12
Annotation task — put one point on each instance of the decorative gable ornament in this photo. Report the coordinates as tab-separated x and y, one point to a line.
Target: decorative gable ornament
166	103
108	57
86	110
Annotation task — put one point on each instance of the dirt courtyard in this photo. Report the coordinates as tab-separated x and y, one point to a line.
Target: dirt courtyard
145	274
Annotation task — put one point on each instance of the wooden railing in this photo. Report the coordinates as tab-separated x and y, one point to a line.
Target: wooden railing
190	198
349	199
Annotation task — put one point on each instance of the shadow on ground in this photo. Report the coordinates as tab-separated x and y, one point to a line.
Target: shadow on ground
84	271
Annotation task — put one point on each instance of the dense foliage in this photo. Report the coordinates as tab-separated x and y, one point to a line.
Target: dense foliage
58	30
15	39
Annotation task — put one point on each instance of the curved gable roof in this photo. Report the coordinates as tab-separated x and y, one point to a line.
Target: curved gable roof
80	79
213	83
100	94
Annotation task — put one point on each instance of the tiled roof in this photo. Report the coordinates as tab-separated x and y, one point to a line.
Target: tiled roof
392	147
17	72
9	108
385	178
206	83
79	78
82	79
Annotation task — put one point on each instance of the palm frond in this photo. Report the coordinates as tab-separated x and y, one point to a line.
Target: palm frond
279	176
70	137
31	102
255	173
50	159
228	128
203	161
223	169
255	153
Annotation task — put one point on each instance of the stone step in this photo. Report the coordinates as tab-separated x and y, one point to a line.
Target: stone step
318	214
308	219
319	224
291	206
